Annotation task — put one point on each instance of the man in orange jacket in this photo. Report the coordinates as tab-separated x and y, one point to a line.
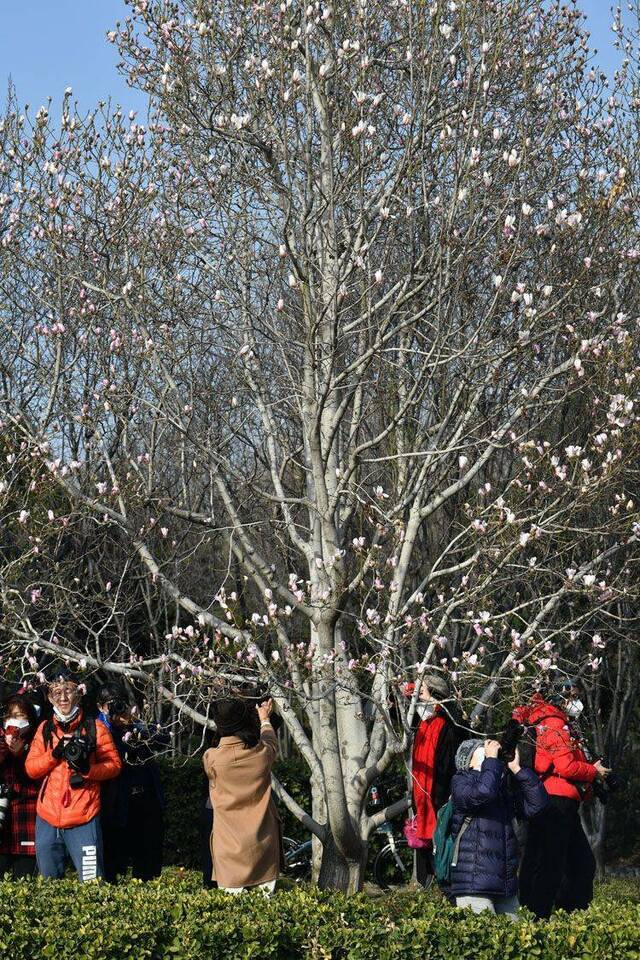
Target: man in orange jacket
73	754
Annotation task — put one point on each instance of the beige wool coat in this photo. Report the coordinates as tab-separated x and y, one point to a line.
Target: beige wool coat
245	841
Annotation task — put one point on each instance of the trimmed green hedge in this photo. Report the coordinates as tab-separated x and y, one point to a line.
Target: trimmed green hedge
171	919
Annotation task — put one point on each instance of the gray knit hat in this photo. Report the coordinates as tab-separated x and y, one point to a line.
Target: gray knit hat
465	752
438	685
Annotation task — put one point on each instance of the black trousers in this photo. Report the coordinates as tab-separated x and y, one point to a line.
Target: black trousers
206	826
558	867
18	866
139	843
424	865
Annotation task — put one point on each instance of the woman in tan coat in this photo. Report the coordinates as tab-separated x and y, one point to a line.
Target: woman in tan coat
245	842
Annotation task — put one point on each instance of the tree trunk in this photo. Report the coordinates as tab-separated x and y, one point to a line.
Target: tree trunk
598	853
319	813
594	821
338	873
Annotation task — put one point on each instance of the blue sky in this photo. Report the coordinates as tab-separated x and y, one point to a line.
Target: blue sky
47	45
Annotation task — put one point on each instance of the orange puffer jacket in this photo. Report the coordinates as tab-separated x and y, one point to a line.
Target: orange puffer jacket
59	803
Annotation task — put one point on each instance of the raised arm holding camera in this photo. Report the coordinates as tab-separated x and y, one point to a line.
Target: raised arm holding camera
72	755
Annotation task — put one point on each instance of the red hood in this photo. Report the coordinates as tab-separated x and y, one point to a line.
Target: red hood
538	708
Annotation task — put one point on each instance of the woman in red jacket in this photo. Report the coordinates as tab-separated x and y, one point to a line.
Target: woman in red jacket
558	866
433	765
18	832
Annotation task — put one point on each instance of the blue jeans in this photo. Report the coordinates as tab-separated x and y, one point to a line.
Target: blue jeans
83	844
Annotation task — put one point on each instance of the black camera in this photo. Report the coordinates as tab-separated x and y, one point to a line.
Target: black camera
5	799
509	741
118	706
76	752
612	783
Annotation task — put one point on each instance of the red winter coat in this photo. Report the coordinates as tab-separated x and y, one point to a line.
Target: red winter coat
60	804
560	760
423	767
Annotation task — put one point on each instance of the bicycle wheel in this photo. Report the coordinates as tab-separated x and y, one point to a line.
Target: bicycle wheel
393	866
297	858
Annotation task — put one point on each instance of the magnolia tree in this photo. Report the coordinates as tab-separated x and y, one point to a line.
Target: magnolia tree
326	373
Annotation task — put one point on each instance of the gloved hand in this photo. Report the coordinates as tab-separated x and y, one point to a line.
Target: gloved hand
58	750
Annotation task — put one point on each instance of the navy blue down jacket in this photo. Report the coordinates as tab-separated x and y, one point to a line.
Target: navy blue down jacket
488	854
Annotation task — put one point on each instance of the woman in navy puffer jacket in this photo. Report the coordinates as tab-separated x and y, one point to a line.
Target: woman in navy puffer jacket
485	876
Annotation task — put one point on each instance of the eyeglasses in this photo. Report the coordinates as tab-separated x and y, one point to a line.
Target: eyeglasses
61	690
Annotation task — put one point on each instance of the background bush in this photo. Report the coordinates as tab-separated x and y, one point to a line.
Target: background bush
172	919
185	787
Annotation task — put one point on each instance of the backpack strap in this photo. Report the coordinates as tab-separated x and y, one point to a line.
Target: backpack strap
89	730
456	847
47	733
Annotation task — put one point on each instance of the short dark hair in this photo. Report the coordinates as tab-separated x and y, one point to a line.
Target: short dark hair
24	705
109	691
238	718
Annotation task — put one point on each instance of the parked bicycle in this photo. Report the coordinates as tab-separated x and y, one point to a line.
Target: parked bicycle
393	862
297	858
391	858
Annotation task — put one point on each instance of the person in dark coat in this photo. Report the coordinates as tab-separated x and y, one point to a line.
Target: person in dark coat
486	800
133	804
435	742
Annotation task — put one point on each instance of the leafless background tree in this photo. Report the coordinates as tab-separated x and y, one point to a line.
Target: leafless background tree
326	372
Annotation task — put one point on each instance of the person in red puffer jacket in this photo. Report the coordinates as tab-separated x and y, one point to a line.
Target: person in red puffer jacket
558	866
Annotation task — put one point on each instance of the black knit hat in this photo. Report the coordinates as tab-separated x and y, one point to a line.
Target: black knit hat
232	715
62	674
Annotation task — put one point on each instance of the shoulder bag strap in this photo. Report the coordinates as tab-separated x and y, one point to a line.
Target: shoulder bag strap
456	847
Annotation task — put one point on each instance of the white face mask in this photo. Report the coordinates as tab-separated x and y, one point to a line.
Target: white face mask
16	722
426	710
65	717
479	758
574	708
